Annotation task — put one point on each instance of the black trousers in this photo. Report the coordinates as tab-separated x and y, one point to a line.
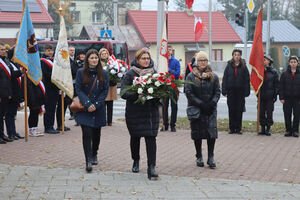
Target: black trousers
3	109
12	108
50	106
33	118
291	106
109	110
210	147
266	112
150	148
91	141
174	109
67	102
236	104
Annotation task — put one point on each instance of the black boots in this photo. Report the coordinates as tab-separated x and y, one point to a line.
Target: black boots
88	167
210	160
268	133
94	160
200	162
263	131
152	175
135	166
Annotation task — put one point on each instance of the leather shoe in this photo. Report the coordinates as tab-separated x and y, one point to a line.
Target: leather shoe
94	160
239	132
230	132
6	139
173	129
51	131
12	137
66	128
2	141
19	136
296	134
200	162
211	162
135	166
288	134
89	167
164	128
71	118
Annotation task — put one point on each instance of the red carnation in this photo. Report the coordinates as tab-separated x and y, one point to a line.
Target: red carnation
172	76
180	77
173	85
161	73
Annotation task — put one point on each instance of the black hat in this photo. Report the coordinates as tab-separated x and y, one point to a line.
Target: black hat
236	50
267	56
294	58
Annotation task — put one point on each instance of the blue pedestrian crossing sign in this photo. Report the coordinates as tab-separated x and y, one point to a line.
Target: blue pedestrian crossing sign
286	51
105	34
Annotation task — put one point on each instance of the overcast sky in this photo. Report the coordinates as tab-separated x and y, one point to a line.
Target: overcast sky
199	5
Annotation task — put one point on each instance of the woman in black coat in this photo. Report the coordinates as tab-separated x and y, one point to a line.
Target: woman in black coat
142	120
236	86
289	95
268	96
203	97
91	87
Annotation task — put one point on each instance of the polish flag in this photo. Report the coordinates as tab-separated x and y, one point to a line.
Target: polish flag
189	3
198	28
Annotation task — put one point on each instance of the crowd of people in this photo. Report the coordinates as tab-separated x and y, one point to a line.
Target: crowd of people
97	93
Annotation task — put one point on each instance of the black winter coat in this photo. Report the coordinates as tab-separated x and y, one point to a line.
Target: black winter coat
270	87
239	82
35	95
16	84
203	95
142	120
47	72
289	87
6	81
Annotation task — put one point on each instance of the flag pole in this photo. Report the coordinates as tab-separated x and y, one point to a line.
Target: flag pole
25	106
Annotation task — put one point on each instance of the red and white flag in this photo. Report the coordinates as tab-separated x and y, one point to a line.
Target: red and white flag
163	63
189	3
198	28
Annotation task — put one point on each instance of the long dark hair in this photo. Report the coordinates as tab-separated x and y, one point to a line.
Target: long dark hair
86	73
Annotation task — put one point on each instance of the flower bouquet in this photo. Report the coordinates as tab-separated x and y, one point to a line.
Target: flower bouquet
116	69
157	85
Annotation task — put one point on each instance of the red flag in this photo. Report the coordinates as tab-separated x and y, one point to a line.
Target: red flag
189	3
198	28
257	56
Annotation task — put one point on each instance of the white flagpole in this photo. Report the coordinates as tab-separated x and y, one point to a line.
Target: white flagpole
210	37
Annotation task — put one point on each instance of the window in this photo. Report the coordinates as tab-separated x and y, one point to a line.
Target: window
217	54
76	16
96	17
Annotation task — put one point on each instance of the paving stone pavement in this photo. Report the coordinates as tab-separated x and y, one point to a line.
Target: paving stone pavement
52	167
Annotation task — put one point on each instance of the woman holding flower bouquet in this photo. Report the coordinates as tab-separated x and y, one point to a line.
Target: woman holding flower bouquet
91	87
203	97
142	119
112	91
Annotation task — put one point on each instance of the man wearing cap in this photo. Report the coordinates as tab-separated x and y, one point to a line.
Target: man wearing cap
289	95
268	95
236	86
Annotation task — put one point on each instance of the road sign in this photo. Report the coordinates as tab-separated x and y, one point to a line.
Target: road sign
286	51
250	5
105	34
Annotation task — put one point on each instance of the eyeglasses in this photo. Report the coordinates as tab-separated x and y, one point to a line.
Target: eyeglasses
145	58
202	60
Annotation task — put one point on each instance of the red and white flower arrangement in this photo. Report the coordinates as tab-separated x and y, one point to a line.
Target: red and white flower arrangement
116	69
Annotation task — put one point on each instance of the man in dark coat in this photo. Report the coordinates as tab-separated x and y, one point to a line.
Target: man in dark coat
289	95
52	91
6	75
268	96
236	86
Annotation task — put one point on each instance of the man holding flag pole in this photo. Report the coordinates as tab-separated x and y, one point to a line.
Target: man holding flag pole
26	54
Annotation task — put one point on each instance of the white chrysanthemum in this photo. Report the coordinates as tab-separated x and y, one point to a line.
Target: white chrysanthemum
123	69
113	71
110	66
157	83
116	66
150	90
105	67
120	75
149	81
140	91
149	97
155	75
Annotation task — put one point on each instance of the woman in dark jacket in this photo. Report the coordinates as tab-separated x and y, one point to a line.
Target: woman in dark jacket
142	120
289	95
236	86
92	98
268	96
203	97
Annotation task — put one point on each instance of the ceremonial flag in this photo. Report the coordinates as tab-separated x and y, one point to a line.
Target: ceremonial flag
189	3
256	60
26	50
198	28
61	72
163	65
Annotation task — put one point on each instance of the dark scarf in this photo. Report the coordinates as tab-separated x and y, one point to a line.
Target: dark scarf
141	70
202	74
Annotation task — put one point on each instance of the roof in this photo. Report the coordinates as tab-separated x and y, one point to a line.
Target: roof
37	17
281	31
181	27
125	33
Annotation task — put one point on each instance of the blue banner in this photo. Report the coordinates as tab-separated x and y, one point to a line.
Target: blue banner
26	50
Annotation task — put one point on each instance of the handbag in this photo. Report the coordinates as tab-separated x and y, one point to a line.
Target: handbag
193	112
76	105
